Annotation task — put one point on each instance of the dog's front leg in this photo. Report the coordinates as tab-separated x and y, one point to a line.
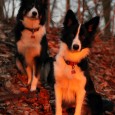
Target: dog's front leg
36	76
34	83
79	101
58	99
29	74
36	73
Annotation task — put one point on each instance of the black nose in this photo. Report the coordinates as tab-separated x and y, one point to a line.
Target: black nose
34	13
75	47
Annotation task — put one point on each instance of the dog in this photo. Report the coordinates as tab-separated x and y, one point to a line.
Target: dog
31	42
72	78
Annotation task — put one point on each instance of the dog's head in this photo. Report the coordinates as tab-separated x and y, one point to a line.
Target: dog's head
34	9
78	36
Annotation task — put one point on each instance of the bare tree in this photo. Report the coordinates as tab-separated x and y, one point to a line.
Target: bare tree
48	15
67	5
106	12
51	12
83	6
96	5
113	25
6	9
13	9
1	9
78	11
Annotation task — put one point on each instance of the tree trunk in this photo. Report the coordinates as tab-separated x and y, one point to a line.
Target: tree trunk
67	5
54	5
113	24
96	6
48	15
82	16
78	11
106	13
1	9
13	9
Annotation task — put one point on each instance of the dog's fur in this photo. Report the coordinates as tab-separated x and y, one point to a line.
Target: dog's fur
72	79
31	42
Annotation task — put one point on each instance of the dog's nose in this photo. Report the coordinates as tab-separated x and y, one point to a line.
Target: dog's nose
34	13
75	47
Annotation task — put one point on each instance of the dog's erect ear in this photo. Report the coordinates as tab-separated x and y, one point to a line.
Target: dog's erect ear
70	19
92	25
24	1
21	0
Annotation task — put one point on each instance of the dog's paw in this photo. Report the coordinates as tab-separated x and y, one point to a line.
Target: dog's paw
58	113
33	88
77	114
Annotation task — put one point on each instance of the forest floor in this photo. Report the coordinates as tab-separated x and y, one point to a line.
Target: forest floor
15	98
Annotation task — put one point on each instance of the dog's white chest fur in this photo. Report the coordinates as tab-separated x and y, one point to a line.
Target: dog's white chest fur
70	83
28	46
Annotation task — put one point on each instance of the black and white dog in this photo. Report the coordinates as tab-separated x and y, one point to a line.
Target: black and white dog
71	75
30	34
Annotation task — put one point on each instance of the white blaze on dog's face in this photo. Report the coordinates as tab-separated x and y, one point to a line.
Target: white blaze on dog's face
33	13
76	45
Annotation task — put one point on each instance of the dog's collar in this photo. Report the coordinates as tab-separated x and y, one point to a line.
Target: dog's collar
33	29
72	64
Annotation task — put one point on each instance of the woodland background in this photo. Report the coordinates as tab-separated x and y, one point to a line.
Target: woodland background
14	95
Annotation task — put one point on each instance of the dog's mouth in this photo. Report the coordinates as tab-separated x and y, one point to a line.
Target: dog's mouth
32	17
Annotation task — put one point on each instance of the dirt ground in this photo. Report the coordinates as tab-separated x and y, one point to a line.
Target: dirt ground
15	98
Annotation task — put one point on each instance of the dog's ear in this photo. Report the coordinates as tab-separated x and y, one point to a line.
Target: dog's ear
92	25
24	1
70	19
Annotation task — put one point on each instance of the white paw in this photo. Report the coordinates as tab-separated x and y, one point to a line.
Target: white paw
34	84
77	114
33	88
58	113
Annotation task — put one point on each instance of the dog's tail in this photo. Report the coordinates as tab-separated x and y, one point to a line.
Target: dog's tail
47	72
99	105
